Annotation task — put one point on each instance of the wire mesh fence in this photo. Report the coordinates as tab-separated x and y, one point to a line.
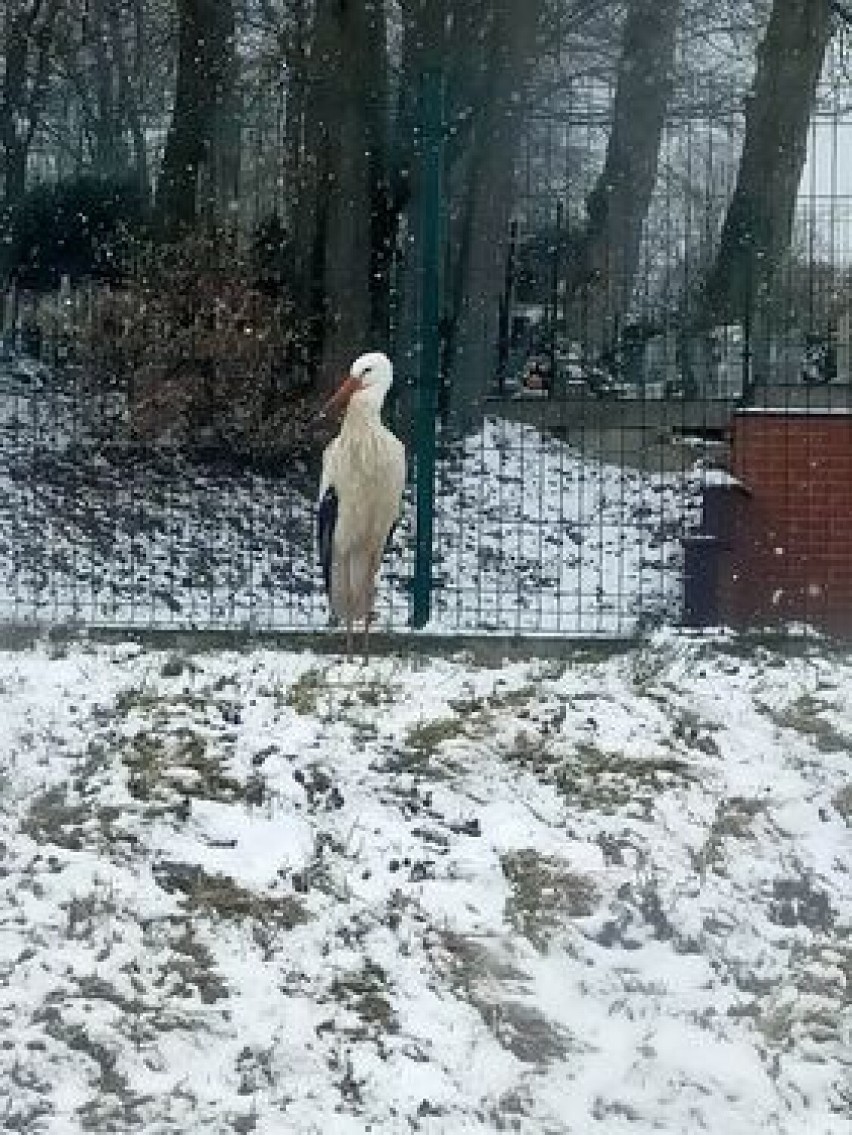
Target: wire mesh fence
98	529
577	502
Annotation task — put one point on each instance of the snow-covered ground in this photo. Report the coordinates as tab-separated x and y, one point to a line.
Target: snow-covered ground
277	892
530	534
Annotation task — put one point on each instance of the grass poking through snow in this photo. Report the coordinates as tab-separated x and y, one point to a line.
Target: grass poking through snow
281	892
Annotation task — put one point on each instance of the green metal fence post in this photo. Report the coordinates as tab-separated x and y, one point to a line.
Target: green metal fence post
432	139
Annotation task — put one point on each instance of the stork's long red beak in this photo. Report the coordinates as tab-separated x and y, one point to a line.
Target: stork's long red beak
340	399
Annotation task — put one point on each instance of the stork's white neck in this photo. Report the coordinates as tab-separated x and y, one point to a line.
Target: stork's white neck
364	411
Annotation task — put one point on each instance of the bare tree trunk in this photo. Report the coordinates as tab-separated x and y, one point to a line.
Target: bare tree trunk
602	262
224	151
479	267
178	188
129	92
422	45
294	118
200	138
311	204
759	221
382	216
28	41
348	244
139	93
15	173
16	47
486	64
310	192
110	156
28	33
342	174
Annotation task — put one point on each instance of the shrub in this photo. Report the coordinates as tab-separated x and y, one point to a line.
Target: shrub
86	227
210	362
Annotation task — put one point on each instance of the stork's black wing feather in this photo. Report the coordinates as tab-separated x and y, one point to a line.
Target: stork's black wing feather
390	536
326	520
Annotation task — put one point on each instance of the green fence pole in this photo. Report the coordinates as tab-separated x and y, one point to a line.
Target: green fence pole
432	141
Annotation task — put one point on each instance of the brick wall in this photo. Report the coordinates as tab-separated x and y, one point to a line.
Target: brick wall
789	533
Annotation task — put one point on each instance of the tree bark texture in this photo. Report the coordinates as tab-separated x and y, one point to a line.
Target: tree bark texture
342	186
200	163
481	226
110	156
758	225
27	45
129	90
28	35
602	261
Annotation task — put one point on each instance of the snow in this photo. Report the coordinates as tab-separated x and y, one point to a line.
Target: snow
277	891
721	479
800	411
531	534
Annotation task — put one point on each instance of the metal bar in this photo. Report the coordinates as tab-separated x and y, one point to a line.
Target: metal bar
554	293
432	126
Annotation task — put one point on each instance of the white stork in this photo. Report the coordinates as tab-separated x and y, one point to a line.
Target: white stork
363	476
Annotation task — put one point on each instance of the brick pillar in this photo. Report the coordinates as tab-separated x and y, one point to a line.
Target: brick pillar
790	555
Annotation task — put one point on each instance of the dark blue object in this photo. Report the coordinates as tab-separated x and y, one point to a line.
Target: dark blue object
701	580
326	520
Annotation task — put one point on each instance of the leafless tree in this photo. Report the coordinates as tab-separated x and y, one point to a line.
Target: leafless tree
201	155
602	260
486	186
309	109
759	219
28	30
341	178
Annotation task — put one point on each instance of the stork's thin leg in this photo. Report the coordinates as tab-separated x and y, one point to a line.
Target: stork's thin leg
371	599
367	622
347	601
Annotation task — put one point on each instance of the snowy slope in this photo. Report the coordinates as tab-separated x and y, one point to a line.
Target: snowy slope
275	892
